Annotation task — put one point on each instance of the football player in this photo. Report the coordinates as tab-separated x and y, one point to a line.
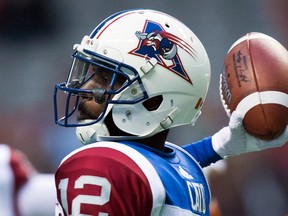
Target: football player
24	191
137	75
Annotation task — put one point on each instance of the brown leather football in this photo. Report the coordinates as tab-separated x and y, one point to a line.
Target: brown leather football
255	82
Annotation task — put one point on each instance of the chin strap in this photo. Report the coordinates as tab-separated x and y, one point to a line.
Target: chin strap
99	131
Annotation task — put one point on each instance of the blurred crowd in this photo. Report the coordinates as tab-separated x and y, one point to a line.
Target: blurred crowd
36	40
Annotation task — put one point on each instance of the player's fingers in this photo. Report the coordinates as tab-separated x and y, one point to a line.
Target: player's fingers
281	140
265	144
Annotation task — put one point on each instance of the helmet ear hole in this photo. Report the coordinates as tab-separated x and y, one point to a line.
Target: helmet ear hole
153	103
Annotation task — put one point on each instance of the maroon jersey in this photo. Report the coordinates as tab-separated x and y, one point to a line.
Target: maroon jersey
108	178
85	184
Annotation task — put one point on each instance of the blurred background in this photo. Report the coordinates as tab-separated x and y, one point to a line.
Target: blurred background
36	40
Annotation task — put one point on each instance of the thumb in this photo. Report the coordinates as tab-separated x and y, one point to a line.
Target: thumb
236	120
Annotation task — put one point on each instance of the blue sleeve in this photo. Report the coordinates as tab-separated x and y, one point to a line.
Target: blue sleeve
203	152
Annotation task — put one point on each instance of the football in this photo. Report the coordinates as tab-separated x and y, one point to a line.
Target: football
254	81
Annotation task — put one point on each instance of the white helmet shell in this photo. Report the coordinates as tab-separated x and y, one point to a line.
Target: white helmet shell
170	61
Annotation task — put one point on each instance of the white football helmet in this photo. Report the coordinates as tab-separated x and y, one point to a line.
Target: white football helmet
158	56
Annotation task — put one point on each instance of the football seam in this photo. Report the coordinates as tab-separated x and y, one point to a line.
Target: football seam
257	86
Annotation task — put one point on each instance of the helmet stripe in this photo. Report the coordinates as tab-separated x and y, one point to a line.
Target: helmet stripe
114	16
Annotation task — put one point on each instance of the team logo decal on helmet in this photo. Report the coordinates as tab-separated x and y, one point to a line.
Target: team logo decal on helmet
155	42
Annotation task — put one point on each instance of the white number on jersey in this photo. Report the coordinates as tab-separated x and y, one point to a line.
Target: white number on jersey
103	198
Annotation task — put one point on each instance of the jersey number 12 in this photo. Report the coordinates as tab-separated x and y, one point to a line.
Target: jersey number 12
83	180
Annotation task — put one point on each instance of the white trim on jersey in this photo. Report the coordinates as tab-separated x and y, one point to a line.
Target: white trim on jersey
6	182
157	188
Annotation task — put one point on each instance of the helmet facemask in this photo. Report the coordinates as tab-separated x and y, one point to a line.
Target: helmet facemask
112	78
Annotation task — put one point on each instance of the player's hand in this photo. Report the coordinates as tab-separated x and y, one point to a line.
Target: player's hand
233	140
